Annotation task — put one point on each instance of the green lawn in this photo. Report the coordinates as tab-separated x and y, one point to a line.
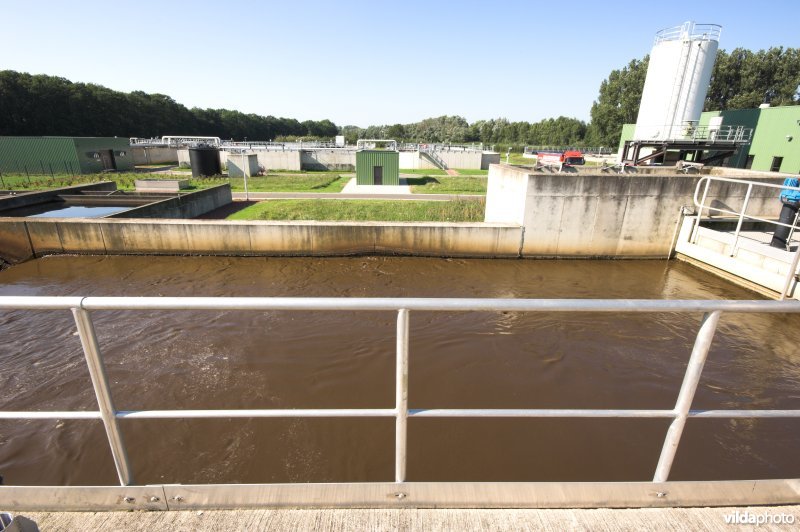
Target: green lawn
465	171
316	182
447	184
125	181
365	210
424	171
296	182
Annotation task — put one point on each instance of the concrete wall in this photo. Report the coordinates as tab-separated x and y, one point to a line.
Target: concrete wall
155	155
328	160
279	160
410	160
21	239
183	157
453	159
25	199
184	206
489	158
605	215
345	160
242	165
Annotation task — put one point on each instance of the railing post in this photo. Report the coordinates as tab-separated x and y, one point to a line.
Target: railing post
696	229
741	219
401	397
103	393
691	379
790	275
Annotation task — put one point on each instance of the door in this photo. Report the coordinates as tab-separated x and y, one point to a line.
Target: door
107	156
377	175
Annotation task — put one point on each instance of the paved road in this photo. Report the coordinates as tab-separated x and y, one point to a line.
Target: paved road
320	195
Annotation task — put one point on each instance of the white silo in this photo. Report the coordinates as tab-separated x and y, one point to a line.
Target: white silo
677	81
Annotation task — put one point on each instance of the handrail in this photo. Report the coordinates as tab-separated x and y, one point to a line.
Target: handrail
689	31
711	309
742	215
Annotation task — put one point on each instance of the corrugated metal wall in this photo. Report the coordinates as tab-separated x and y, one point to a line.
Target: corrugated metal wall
366	160
38	155
61	155
87	146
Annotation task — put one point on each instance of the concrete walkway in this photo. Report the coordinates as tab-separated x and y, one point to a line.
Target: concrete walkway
352	187
684	519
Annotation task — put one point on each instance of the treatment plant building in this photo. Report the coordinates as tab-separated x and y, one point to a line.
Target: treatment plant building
64	155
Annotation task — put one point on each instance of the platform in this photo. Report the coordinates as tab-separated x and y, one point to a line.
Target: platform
748	258
710	519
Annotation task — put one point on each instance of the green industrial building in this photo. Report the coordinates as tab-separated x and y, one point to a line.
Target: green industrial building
775	145
64	155
776	138
377	167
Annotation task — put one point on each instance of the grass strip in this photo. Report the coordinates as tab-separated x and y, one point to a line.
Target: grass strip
365	210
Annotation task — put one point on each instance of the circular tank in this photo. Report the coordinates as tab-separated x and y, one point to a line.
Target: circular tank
677	80
204	161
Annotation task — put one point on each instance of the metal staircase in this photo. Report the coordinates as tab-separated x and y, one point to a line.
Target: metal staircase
430	154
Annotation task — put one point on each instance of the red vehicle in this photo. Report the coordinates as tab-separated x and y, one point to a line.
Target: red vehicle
568	157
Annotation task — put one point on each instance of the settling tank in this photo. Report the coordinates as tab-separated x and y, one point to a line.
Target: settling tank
677	80
204	160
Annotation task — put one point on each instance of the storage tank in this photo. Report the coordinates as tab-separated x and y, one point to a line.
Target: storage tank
204	160
677	81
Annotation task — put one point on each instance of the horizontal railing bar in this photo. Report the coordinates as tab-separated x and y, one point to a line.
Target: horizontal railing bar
68	414
590	413
387	412
188	414
543	413
40	302
731	414
392	304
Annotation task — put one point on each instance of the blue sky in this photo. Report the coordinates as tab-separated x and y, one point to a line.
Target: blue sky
364	63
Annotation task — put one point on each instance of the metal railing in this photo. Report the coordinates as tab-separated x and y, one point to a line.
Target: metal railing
284	146
727	135
741	215
434	146
82	306
690	31
586	150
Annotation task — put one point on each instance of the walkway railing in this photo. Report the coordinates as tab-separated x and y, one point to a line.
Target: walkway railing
82	306
705	182
586	150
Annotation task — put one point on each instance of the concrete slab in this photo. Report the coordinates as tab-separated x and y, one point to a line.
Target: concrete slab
353	188
709	519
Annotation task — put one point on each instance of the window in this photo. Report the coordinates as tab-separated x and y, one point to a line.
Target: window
776	164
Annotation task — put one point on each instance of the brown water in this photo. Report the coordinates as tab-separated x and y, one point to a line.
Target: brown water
166	360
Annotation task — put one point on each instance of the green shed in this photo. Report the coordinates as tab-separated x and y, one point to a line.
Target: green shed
377	167
64	155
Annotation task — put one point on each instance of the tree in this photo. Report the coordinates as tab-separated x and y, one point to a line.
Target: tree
48	105
744	79
396	132
618	102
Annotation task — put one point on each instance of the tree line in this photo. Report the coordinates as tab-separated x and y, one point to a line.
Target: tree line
741	79
48	105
